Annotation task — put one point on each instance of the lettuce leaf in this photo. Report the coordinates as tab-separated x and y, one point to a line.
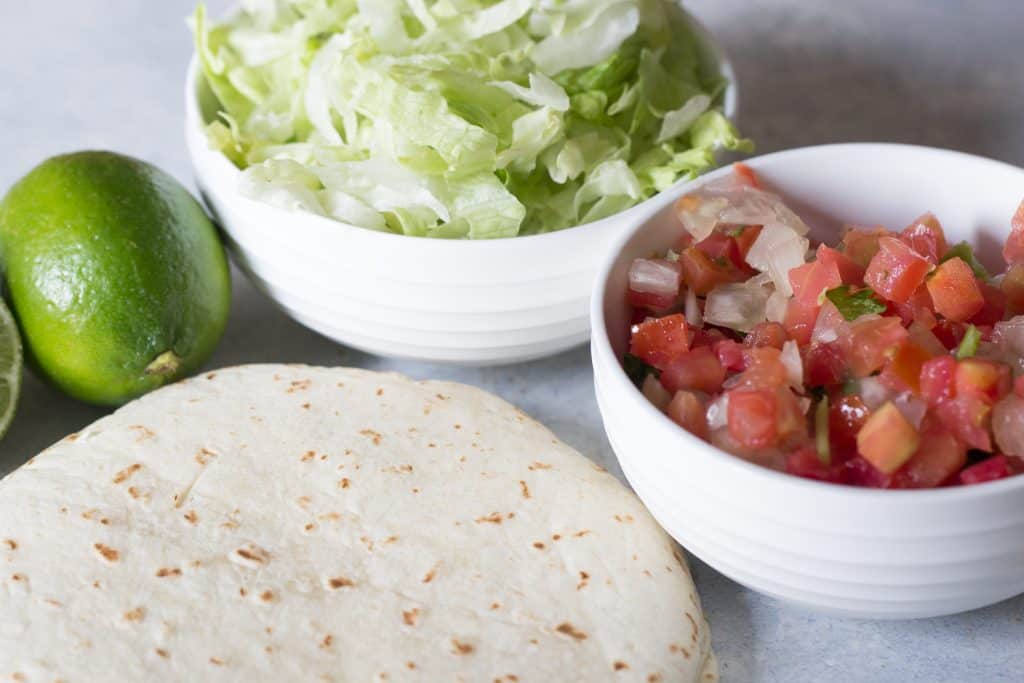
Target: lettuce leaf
473	119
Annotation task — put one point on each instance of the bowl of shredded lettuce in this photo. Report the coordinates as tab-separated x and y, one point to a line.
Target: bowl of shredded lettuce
512	139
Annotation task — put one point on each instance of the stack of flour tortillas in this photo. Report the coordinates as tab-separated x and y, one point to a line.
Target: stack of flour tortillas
280	523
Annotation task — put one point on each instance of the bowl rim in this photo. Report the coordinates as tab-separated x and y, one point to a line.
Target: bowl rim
616	380
730	108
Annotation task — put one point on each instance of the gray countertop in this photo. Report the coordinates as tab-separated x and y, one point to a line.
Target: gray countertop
108	74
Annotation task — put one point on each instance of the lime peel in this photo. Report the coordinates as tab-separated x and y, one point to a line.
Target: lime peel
164	365
11	360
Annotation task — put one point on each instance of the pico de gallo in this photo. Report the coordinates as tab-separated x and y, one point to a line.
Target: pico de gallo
889	360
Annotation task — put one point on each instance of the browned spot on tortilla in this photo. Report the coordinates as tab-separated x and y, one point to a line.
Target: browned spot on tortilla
380	392
581	534
584	580
144	432
254	554
267	596
460	648
303	501
18	577
242	591
18	676
310	527
339	582
567	629
71	438
106	552
376	437
204	456
429	576
539	466
538	545
524	489
126	474
299	385
654	678
556	537
165	572
137	614
390	539
493	518
308	455
326	642
191	517
625	519
411	616
620	665
216	661
11	543
677	649
411	666
211	375
162	653
136	494
693	628
495	605
441	397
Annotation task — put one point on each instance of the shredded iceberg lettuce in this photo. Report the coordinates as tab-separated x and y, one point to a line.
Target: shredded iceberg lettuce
461	118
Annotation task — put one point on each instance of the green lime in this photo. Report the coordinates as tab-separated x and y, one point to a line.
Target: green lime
10	368
117	277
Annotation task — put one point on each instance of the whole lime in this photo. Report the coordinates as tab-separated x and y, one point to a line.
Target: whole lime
115	274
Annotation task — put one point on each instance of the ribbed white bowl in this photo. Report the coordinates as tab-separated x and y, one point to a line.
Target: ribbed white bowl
468	302
836	549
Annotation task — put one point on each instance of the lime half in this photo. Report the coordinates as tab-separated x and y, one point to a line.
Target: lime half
10	368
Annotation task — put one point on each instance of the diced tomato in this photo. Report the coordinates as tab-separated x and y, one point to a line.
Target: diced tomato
871	342
850	272
703	274
859	472
860	244
720	246
896	271
706	336
800	320
824	365
903	371
949	333
936	461
887	440
746	175
698	370
918	306
1018	386
752	417
764	369
846	417
811	280
654	283
730	355
955	292
689	412
968	418
659	341
745	240
767	334
994	310
1013	287
991	469
805	463
650	300
926	237
1013	251
937	379
790	419
985	379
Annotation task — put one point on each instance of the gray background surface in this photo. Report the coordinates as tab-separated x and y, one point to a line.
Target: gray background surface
80	74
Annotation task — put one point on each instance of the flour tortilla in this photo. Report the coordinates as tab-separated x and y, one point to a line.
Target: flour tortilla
283	523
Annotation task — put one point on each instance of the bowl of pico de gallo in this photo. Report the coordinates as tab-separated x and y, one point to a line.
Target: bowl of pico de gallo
811	369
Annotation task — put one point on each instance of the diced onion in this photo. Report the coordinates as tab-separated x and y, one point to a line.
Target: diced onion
729	201
874	393
793	363
776	307
736	306
694	316
777	250
911	407
654	392
655	276
718	412
1008	425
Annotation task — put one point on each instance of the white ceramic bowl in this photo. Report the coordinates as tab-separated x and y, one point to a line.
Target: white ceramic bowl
468	302
842	550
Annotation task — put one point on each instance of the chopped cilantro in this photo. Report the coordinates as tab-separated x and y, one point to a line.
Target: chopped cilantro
966	253
854	304
851	387
637	370
969	344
